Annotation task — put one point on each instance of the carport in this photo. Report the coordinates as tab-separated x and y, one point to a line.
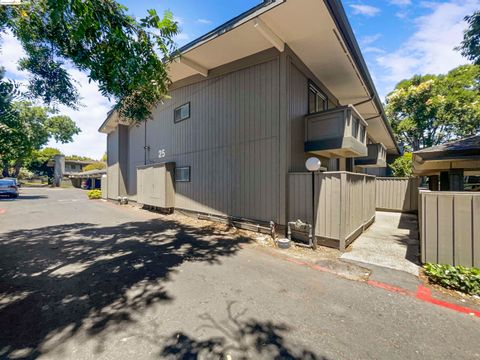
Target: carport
88	179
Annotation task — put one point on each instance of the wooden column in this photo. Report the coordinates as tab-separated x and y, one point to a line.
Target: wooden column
433	183
456	179
444	181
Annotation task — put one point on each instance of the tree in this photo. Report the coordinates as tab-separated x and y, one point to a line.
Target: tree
8	92
28	128
125	55
431	109
403	165
38	161
78	157
104	158
470	46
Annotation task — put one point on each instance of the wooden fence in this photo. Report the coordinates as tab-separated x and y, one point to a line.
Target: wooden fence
344	204
397	194
450	228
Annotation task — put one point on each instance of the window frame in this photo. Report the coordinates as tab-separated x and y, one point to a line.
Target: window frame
318	94
179	108
189	174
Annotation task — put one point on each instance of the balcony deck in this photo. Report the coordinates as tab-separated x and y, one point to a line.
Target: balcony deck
340	132
377	157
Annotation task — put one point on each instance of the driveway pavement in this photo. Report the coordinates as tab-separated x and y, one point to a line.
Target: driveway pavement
391	242
86	279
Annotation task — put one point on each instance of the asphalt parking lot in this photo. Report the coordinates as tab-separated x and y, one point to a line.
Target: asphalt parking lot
84	279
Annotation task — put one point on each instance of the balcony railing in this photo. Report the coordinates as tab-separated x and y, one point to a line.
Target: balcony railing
340	132
377	157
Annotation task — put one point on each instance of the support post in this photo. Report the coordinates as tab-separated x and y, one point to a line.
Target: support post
456	179
444	181
433	183
314	238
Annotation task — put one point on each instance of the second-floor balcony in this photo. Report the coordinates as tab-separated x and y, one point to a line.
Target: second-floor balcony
340	132
377	156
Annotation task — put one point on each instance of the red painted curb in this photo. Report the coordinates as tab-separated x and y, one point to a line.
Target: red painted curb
423	293
390	288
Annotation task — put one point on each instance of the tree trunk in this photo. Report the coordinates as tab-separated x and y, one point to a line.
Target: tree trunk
18	165
5	171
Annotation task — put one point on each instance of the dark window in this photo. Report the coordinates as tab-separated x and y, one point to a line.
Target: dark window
181	113
362	133
182	174
355	128
317	100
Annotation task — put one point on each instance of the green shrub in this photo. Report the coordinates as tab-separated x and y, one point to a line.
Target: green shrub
94	194
459	278
25	174
95	166
403	166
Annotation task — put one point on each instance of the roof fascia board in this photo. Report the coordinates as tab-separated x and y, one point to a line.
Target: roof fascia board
102	128
337	11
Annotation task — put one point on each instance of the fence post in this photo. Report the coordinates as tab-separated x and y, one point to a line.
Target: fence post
343	210
364	217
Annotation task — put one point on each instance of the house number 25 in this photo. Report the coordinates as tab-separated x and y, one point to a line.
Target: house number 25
162	153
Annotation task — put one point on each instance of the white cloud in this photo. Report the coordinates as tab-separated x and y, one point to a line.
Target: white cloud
370	39
366	10
178	20
182	37
400	2
430	49
402	14
89	117
372	49
11	51
204	21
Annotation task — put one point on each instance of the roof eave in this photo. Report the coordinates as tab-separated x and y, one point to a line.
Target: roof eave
340	17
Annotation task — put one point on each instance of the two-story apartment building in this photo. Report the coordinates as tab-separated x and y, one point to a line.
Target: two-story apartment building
249	103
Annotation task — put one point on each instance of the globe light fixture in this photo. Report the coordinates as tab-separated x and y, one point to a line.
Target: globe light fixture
313	164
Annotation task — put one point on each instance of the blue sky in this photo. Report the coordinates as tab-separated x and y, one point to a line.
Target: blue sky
399	38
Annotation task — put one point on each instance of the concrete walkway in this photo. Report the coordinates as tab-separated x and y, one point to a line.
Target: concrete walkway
391	242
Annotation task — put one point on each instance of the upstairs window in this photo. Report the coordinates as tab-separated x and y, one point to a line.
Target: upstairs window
182	174
317	100
181	113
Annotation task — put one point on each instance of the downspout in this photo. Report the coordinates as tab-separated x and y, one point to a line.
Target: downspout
145	147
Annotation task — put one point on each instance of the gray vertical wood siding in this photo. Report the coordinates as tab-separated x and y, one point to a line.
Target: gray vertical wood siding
230	141
450	228
136	155
112	165
397	194
298	109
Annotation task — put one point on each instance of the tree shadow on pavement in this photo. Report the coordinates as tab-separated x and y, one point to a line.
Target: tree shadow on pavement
57	281
238	338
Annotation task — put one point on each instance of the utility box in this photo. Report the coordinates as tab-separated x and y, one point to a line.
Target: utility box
155	185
